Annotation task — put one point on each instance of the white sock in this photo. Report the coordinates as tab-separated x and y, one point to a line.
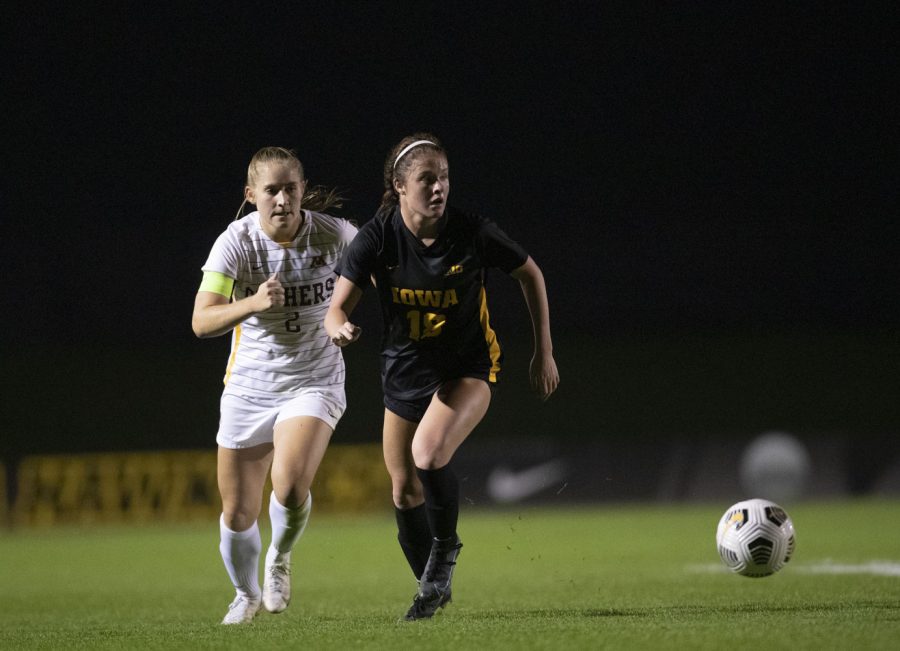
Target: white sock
240	551
287	526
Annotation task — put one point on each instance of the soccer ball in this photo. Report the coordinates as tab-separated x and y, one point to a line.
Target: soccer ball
755	538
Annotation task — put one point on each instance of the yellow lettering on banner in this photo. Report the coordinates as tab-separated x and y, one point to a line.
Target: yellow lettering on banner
48	486
124	487
143	486
4	509
352	478
174	486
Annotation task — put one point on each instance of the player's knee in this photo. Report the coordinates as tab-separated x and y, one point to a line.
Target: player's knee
237	518
429	454
407	494
290	485
291	495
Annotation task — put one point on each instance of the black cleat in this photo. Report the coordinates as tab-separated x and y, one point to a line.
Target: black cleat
422	608
434	588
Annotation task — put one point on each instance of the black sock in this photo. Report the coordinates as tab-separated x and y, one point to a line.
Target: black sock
414	536
441	500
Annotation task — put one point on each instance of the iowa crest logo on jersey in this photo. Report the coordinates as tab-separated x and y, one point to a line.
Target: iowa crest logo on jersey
454	269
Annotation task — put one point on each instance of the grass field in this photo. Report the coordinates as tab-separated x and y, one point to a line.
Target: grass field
615	577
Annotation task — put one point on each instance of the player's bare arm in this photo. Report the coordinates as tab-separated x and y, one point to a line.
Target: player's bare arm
337	320
543	373
214	314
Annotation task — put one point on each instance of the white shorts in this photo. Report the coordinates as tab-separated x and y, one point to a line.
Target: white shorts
247	420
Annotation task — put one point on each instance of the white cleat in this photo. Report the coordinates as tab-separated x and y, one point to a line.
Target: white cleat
277	583
242	610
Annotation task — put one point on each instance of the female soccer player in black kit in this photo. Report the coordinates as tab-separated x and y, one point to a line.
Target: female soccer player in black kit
439	355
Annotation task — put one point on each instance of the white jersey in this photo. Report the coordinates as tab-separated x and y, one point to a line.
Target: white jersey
285	348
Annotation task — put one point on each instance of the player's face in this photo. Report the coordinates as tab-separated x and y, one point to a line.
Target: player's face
277	194
426	188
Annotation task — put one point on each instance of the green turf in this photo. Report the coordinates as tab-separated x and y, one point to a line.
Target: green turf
616	577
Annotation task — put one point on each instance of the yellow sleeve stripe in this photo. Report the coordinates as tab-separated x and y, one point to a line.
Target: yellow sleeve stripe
217	283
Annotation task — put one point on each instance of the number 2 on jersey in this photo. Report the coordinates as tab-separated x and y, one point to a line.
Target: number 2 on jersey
423	325
289	325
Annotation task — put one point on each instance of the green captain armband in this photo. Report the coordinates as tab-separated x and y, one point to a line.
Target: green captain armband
217	283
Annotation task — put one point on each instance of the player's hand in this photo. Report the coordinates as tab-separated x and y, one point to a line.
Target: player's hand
543	375
346	334
270	294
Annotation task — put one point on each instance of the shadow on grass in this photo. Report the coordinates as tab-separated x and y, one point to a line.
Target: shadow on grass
681	611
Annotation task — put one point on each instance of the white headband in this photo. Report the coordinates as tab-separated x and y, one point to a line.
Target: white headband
406	149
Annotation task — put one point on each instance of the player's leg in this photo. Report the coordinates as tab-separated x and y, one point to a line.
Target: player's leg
413	533
241	477
455	410
300	444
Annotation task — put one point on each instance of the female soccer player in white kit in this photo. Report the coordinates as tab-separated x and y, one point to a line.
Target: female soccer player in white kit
269	280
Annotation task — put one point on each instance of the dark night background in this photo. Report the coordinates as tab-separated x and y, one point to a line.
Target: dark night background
707	189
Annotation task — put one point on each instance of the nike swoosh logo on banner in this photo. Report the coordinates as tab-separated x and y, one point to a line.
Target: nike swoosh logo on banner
505	485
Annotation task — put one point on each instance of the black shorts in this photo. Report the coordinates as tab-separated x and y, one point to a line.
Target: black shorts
414	409
411	410
410	382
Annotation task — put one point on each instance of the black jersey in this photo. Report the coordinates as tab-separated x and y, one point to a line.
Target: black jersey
433	299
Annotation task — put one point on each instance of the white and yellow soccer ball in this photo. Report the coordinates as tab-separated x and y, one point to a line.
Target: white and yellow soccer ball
755	538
